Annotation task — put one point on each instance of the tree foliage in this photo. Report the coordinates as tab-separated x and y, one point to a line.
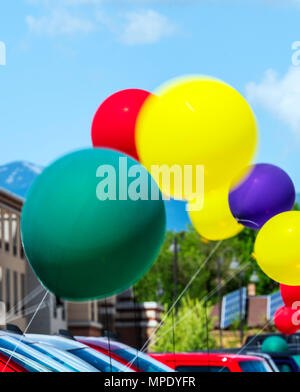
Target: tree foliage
191	331
192	256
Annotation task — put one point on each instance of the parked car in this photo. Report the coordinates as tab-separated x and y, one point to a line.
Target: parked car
285	362
127	355
15	346
63	357
266	357
95	358
245	351
296	358
213	362
257	340
12	362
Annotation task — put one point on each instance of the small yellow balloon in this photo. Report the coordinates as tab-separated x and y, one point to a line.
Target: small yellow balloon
215	221
277	248
192	122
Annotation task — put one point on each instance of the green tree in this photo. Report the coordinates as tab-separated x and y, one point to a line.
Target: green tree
191	332
191	258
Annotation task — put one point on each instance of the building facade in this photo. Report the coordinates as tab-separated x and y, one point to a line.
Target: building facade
13	264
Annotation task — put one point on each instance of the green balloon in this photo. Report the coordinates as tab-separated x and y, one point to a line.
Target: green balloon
82	236
274	344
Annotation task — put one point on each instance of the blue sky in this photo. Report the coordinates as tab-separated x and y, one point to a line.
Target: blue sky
64	57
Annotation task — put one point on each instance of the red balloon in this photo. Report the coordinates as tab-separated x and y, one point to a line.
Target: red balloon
114	122
290	294
286	320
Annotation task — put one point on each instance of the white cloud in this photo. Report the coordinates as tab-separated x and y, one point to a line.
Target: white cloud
279	95
58	23
145	27
82	2
62	17
63	2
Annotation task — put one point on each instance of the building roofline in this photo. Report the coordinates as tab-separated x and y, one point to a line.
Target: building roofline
11	200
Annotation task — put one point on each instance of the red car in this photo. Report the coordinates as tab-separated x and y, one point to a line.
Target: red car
11	367
15	363
202	362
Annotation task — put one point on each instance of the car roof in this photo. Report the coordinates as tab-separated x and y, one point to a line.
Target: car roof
16	341
258	354
104	343
210	356
258	339
58	341
16	336
280	354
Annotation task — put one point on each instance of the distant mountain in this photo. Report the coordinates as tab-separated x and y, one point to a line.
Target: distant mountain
17	178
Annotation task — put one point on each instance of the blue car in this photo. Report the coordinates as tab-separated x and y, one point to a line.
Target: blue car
65	358
96	359
12	345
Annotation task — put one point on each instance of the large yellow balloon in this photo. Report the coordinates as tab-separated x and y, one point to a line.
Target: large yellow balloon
277	248
196	121
215	221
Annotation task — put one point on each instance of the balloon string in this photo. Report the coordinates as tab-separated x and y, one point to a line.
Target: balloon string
173	329
108	337
24	301
27	312
247	221
207	297
207	333
136	327
182	293
25	331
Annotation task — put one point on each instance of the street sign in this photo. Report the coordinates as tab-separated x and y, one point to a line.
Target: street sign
274	302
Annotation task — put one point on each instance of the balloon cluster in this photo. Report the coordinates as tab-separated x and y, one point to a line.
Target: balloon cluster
203	122
198	132
81	247
188	123
263	201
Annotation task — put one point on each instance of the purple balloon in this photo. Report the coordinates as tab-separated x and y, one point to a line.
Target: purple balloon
266	192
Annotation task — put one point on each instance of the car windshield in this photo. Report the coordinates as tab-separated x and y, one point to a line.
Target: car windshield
26	363
141	361
18	347
100	361
297	359
65	358
254	366
284	367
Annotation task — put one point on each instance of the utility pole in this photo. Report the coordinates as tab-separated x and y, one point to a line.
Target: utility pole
241	309
220	301
175	271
